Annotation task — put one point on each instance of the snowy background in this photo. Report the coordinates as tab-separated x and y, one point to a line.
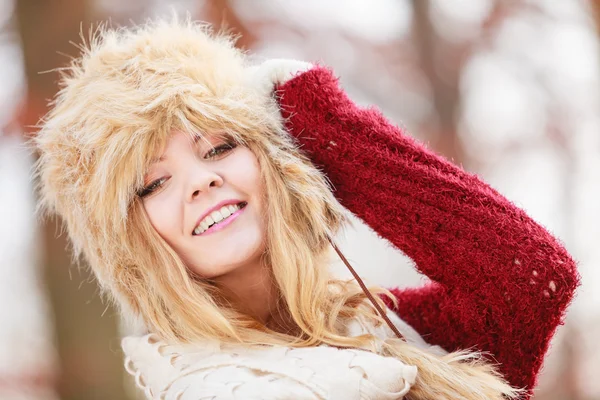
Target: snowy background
509	89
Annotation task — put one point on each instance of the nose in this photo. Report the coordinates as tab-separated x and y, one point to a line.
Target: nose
202	179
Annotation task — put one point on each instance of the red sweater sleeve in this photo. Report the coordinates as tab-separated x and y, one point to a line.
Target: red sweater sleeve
500	281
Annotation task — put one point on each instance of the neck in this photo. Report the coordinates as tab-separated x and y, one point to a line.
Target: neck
251	290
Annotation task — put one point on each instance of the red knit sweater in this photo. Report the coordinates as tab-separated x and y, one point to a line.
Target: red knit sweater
500	283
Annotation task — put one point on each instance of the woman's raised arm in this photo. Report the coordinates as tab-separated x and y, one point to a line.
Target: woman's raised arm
500	281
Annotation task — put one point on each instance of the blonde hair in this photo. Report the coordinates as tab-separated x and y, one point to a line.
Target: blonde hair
116	108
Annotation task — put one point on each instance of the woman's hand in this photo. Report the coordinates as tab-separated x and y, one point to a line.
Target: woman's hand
270	73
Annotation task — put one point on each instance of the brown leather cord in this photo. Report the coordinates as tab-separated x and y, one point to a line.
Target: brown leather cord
364	288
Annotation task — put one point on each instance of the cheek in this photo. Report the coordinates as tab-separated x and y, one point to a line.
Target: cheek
245	174
160	212
251	173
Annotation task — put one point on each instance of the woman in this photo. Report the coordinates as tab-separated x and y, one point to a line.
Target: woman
207	218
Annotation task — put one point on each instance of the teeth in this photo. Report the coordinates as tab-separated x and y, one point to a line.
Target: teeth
215	217
204	225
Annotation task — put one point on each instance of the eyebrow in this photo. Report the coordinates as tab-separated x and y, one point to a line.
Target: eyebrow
163	158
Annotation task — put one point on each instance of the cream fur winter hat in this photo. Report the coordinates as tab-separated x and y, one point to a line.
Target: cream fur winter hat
117	106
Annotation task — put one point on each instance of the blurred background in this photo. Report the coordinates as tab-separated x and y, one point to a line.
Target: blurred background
509	89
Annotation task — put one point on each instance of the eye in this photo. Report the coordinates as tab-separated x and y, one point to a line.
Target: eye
151	188
220	150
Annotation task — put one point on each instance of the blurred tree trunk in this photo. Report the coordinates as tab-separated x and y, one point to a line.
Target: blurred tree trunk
28	360
223	16
88	343
595	5
434	59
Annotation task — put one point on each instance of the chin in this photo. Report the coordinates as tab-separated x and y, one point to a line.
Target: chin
228	259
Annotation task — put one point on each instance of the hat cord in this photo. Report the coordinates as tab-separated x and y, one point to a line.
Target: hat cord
366	291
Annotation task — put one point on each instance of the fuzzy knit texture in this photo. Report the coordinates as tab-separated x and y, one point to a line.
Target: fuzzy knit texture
500	282
214	370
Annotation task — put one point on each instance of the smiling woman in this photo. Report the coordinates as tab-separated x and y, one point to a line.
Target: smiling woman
208	217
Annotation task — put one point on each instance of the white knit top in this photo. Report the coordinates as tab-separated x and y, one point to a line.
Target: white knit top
213	370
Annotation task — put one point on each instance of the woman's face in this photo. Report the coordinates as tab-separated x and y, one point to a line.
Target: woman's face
204	196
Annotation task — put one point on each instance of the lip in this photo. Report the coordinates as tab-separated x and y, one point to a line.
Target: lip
217	206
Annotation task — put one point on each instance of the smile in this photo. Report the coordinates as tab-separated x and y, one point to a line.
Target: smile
218	219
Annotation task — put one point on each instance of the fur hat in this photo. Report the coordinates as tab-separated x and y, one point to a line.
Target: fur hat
117	106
